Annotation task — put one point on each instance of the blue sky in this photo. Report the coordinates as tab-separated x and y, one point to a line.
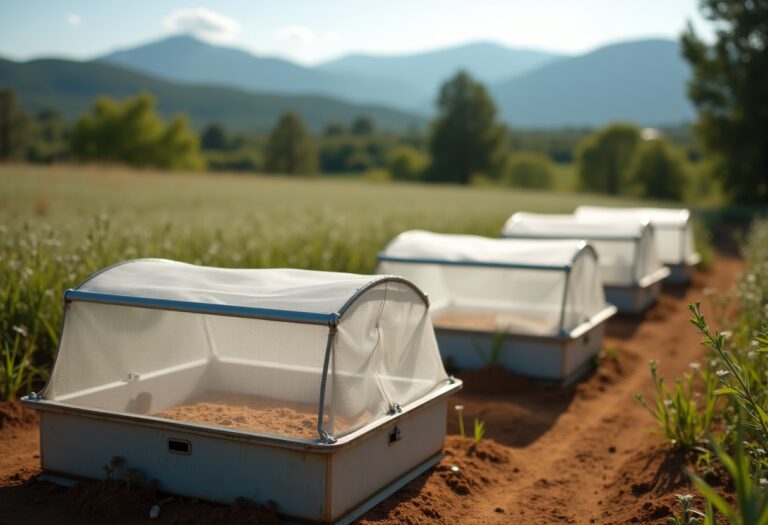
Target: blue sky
310	31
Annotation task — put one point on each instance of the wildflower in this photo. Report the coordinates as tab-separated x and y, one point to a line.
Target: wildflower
695	366
722	373
668	402
763	482
21	330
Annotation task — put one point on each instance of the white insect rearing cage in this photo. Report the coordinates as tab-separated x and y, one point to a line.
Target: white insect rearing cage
281	385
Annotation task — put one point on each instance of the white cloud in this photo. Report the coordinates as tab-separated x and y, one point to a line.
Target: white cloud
331	36
73	19
298	34
204	23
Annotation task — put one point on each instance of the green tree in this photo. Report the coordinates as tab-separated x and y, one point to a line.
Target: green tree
529	170
50	140
659	170
466	139
407	163
730	90
604	156
334	129
214	137
290	149
131	132
14	127
362	125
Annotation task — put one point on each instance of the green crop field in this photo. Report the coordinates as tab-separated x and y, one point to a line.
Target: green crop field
57	225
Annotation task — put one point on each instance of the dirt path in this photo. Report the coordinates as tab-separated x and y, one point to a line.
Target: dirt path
583	454
580	454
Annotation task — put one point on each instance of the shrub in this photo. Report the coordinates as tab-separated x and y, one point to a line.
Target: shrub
604	156
529	170
407	163
132	132
658	170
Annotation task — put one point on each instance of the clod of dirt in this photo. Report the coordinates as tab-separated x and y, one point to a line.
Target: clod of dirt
112	499
14	414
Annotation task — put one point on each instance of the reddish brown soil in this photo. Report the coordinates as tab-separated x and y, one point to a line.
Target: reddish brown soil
246	412
581	454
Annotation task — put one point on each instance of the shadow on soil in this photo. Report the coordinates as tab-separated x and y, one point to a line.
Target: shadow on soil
516	410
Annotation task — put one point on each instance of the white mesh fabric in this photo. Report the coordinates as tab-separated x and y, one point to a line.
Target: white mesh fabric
378	357
132	359
419	244
277	289
673	231
527	300
103	344
626	249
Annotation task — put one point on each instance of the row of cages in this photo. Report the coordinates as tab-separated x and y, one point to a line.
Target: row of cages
280	384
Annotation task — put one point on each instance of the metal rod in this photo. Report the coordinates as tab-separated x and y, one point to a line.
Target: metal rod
565	298
443	262
202	308
375	282
325	437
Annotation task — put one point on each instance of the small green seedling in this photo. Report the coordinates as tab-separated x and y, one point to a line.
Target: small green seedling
479	430
688	516
492	358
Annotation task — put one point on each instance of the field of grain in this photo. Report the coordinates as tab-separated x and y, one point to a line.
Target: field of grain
57	225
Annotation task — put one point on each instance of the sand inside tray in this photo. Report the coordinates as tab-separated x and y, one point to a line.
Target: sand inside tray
246	412
512	323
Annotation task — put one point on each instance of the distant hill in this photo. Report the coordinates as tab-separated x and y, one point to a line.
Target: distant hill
642	82
487	62
188	60
72	86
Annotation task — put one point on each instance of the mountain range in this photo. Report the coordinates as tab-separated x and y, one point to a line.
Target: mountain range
71	87
641	81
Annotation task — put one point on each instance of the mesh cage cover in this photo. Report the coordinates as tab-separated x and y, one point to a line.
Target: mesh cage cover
147	360
626	249
512	285
672	228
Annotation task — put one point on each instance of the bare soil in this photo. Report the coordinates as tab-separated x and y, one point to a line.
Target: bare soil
581	454
256	414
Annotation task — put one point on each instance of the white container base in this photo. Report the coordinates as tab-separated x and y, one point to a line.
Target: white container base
309	481
560	359
637	298
682	273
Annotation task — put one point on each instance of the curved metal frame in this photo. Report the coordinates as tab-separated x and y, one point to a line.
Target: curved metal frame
296	316
330	319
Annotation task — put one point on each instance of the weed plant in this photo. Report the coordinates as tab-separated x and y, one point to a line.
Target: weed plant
733	409
682	419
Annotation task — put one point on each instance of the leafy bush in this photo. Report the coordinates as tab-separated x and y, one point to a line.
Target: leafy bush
604	156
238	160
658	170
529	170
407	163
681	420
131	132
